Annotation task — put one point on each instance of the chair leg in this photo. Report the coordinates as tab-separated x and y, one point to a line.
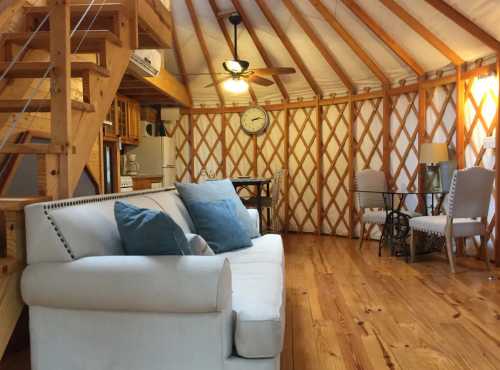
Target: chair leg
449	250
362	236
484	252
412	246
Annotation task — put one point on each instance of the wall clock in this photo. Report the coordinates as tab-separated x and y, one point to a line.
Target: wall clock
254	120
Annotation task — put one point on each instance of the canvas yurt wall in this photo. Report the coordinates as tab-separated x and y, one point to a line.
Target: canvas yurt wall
324	142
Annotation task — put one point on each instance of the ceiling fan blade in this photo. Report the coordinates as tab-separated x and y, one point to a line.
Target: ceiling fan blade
259	80
273	71
218	82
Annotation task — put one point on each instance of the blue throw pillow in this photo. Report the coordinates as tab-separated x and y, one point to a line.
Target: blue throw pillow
217	223
148	232
217	190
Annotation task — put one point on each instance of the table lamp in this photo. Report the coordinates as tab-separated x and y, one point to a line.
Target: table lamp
431	154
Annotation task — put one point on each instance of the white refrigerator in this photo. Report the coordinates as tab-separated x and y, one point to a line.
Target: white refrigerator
156	156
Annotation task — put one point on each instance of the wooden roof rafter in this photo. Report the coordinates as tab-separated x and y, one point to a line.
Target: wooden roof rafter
316	40
353	44
259	46
384	36
465	23
204	49
180	62
227	36
289	46
423	31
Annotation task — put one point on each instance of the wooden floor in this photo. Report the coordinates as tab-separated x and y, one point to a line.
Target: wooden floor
353	310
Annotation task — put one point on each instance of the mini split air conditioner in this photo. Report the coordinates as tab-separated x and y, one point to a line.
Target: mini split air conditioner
145	63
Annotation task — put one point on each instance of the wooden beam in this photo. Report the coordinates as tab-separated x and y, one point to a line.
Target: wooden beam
134	23
386	138
180	62
61	112
286	166
349	40
204	49
168	85
423	31
421	128
227	36
465	23
32	148
350	168
323	49
497	167
260	47
384	36
319	165
460	123
289	46
156	28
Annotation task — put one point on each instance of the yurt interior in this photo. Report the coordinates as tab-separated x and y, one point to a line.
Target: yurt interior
335	159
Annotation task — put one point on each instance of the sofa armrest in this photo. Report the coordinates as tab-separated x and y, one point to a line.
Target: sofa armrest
173	284
254	215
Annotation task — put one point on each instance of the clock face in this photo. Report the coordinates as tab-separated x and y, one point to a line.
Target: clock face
254	120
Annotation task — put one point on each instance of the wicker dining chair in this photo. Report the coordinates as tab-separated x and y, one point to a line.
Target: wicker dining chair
272	201
469	202
371	180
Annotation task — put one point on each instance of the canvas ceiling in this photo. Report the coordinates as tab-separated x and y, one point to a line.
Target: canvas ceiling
485	13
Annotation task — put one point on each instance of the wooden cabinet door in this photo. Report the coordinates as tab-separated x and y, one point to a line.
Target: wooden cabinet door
110	128
122	116
134	116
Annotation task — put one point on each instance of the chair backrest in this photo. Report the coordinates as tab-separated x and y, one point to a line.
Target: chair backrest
371	180
276	186
470	192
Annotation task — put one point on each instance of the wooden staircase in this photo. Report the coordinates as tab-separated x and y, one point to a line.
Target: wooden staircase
97	55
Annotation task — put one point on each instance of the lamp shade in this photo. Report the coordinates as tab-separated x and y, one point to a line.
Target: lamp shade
433	153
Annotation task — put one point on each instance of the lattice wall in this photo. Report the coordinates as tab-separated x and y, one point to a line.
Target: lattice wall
368	144
207	144
335	170
403	157
441	114
481	100
179	131
240	148
303	170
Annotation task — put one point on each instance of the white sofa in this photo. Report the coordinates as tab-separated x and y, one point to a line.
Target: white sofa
93	308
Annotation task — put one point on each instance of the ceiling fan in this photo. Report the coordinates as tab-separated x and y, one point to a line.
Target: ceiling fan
238	72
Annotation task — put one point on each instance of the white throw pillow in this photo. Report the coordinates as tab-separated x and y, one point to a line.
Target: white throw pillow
199	246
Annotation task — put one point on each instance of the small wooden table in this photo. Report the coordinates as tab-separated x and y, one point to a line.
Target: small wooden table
244	182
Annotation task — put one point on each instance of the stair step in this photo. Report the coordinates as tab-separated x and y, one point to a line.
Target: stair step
42	39
8	265
37	69
32	148
102	8
39	105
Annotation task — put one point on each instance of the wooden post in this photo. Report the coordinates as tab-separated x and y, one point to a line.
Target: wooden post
286	166
319	164
191	148
223	143
460	136
60	56
386	137
421	128
497	167
460	129
351	167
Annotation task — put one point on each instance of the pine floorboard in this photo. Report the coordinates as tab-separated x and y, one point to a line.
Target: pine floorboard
350	309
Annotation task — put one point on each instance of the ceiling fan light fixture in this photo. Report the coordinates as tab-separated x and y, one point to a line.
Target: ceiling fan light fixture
236	85
235	66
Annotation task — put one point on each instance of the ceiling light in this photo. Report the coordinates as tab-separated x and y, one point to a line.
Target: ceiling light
235	66
236	85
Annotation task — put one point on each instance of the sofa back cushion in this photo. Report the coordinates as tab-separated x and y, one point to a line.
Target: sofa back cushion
74	228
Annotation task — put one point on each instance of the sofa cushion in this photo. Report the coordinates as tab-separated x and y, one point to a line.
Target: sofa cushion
213	191
216	221
258	301
148	232
198	245
267	248
171	203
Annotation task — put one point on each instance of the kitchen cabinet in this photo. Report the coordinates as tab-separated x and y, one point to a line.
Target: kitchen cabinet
123	120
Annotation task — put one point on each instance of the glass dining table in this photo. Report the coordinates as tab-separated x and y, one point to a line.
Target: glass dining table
397	224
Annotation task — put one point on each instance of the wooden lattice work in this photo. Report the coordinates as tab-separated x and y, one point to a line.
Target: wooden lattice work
239	148
481	101
335	170
403	145
368	144
303	168
179	131
270	155
441	114
207	144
